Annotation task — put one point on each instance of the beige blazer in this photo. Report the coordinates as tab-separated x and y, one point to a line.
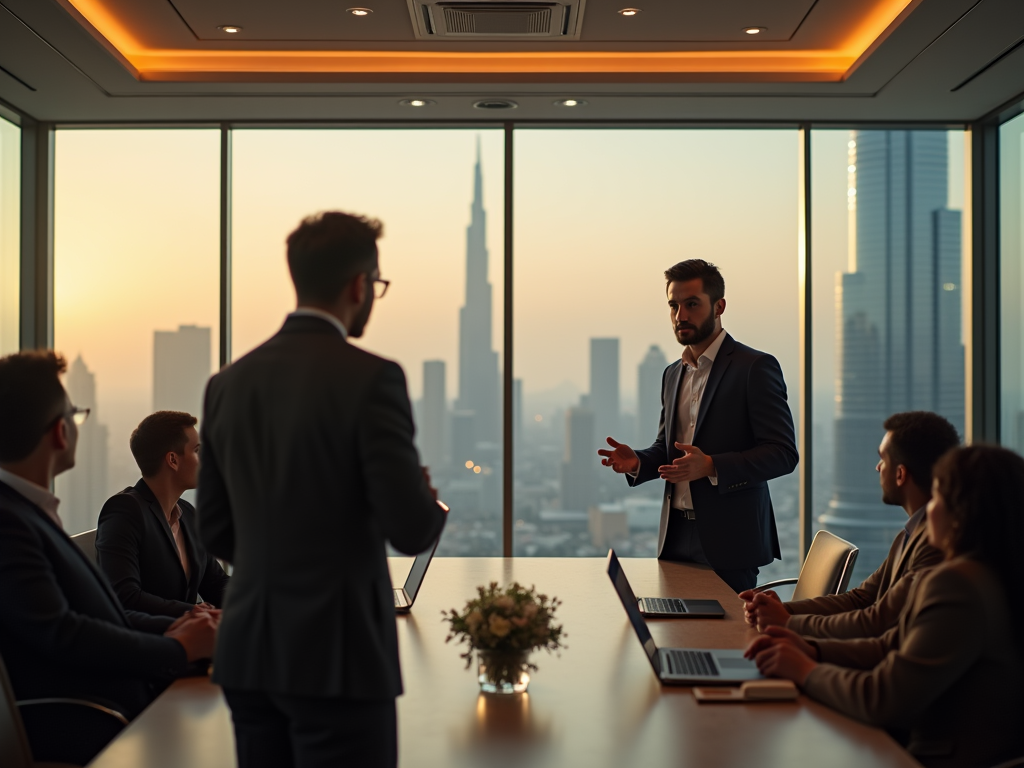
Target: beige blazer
873	607
948	679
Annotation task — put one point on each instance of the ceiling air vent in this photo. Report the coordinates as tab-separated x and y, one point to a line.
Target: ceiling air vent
496	19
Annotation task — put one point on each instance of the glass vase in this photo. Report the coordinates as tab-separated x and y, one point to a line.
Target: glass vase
503	672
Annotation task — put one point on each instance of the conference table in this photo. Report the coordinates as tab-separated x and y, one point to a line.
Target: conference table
597	704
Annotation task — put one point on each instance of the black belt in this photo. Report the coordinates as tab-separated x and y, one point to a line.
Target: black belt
689	514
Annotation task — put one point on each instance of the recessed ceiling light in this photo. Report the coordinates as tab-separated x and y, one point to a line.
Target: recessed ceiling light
231	29
570	103
360	11
417	102
754	30
629	11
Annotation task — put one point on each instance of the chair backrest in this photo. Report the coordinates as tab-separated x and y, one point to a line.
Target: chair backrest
86	542
827	567
15	751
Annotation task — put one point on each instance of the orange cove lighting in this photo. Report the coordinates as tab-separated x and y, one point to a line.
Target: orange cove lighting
157	64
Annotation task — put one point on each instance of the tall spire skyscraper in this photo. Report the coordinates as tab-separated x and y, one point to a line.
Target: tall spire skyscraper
478	362
898	320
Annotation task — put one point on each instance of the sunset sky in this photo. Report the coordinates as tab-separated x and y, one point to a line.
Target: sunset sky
599	215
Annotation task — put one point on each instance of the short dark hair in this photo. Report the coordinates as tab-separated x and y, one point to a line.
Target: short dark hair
692	269
982	487
917	440
157	435
31	398
328	250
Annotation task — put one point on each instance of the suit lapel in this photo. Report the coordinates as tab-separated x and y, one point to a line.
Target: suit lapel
897	571
722	361
190	549
671	396
158	513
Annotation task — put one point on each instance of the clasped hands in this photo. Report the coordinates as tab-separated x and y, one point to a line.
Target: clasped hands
196	630
692	465
778	652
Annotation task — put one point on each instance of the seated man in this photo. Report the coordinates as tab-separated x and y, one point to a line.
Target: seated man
146	539
913	442
63	632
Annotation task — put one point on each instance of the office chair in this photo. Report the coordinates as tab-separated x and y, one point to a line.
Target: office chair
65	732
86	542
826	569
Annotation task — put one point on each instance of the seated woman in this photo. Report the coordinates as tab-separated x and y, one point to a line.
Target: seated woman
948	680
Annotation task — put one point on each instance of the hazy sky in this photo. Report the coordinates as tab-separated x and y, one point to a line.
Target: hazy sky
599	216
10	191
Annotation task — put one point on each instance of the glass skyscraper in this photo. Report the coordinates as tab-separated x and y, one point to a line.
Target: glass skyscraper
898	320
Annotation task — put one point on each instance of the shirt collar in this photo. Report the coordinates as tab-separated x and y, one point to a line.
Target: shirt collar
36	494
313	312
710	353
914	521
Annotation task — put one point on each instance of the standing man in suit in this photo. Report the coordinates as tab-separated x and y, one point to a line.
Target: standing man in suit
63	632
726	430
147	541
309	467
912	444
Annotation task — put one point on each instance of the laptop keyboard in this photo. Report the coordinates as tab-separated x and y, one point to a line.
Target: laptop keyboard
691	663
663	605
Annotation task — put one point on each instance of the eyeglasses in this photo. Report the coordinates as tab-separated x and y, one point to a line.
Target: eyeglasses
78	415
380	287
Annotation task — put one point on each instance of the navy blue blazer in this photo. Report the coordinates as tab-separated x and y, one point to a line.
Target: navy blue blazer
744	424
63	632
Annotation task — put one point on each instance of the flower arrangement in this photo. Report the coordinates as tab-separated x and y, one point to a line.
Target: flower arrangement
504	625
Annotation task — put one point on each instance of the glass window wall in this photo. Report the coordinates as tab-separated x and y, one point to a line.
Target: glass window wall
10	235
599	216
440	195
136	291
1011	281
888	312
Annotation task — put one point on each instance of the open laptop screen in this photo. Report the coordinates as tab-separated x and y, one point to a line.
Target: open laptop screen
625	593
419	565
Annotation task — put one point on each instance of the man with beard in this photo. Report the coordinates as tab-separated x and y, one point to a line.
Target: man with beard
726	430
308	468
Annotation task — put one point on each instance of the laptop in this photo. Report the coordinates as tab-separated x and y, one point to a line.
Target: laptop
681	666
406	596
677	608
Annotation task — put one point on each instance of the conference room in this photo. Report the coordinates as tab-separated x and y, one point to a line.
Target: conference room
853	170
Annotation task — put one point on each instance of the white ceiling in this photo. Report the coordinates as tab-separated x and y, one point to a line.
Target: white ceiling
951	61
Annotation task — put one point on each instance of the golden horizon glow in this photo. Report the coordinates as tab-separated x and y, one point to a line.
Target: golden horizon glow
170	64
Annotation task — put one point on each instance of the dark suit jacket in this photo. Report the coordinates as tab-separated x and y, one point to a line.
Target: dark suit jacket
875	606
63	632
308	469
949	677
137	552
745	425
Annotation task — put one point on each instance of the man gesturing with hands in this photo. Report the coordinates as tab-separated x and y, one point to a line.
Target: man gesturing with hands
726	430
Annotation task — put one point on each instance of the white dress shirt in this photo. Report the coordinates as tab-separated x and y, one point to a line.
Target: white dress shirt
312	312
695	379
38	495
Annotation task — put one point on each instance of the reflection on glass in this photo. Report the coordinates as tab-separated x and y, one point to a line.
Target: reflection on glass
888	330
10	231
440	197
1011	281
600	215
136	284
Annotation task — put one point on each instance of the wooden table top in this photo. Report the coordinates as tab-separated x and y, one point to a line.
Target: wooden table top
598	704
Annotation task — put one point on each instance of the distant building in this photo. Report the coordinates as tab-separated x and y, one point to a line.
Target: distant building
604	388
463	439
478	362
517	412
608	525
83	489
578	475
648	394
433	415
899	320
181	368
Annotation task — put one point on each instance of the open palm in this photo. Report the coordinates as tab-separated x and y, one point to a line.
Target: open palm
620	458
